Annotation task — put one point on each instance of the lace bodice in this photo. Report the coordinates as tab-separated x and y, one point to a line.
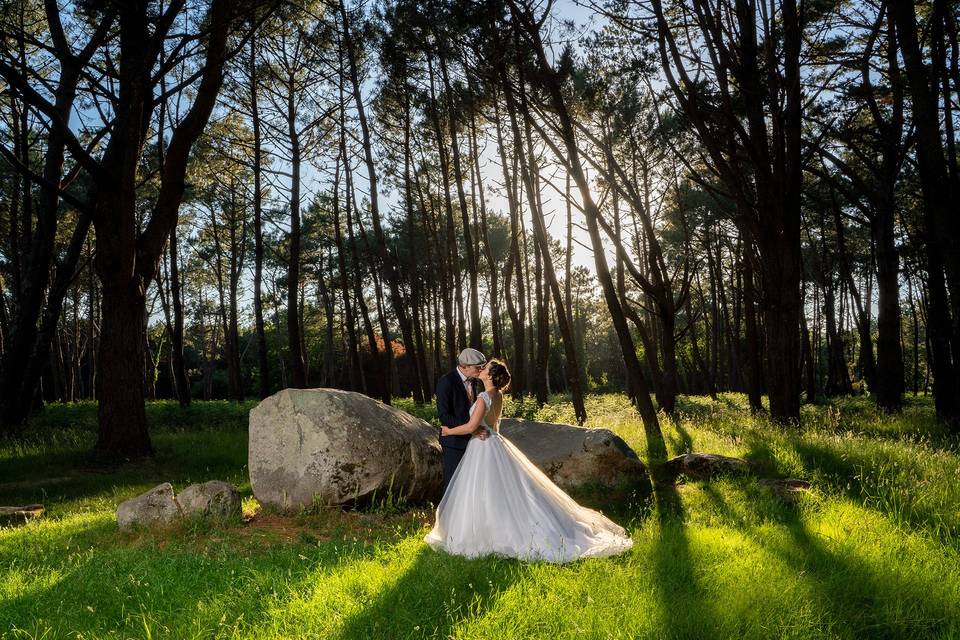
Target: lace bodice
491	419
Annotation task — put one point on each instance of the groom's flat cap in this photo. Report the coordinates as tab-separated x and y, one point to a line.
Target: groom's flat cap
470	356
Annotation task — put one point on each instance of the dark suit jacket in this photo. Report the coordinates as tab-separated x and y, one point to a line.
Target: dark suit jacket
453	408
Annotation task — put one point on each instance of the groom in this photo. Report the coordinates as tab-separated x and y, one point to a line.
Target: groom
456	392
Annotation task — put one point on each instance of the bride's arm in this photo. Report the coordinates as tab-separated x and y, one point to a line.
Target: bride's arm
469	427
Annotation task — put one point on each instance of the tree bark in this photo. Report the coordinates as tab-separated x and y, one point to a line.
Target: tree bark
754	385
476	340
515	312
529	172
19	368
940	226
126	257
357	381
762	126
449	236
638	389
263	365
298	367
415	348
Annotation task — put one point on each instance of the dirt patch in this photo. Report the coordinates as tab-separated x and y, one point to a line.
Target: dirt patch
266	529
332	524
283	528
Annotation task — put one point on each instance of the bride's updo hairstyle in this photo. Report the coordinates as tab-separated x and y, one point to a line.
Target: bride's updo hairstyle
499	374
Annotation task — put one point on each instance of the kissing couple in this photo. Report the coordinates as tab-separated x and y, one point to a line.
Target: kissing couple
496	501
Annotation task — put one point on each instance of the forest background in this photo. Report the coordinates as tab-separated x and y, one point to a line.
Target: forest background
220	200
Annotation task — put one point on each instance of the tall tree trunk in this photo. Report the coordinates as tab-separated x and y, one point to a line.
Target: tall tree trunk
19	368
809	364
326	301
121	416
716	304
419	297
540	329
530	172
889	385
450	258
513	265
495	326
637	387
357	281
298	368
940	226
123	421
697	356
386	260
751	334
236	256
52	312
263	365
181	381
384	357
414	348
838	382
916	336
541	326
568	255
476	340
357	382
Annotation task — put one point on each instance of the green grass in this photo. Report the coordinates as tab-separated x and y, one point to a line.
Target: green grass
872	552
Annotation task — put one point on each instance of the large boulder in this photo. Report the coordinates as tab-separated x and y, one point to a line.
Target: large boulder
214	499
327	446
156	507
574	456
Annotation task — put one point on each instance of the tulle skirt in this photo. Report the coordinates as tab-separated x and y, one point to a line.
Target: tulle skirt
498	502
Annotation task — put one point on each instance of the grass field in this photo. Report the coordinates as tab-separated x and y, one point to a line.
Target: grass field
872	552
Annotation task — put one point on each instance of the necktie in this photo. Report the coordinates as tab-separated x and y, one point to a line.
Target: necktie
469	385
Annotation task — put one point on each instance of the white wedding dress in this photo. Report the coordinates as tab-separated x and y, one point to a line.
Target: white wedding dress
499	503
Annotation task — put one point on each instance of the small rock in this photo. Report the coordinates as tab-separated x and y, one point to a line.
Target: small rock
788	488
20	514
215	499
701	466
155	507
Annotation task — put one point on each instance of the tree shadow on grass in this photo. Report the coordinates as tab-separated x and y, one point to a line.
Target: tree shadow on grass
856	591
697	408
433	594
68	475
681	442
176	588
685	610
760	456
684	607
840	583
854	597
870	479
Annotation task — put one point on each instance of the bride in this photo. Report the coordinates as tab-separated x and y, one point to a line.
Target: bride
499	503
